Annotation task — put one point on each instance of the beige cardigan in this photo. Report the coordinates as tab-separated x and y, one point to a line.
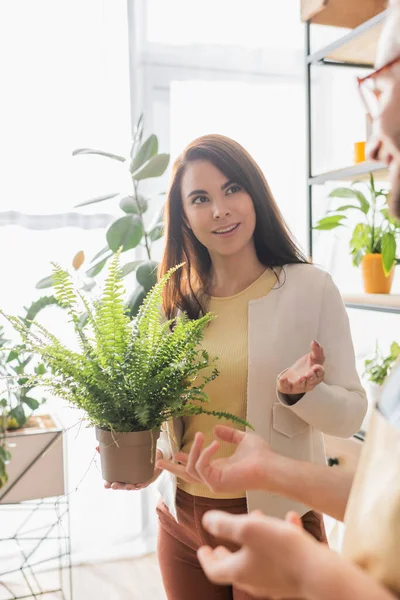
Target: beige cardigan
305	305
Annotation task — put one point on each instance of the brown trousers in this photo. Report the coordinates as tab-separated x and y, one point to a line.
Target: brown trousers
178	543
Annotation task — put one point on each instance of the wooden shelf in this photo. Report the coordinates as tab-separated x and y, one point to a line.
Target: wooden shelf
358	172
357	48
389	303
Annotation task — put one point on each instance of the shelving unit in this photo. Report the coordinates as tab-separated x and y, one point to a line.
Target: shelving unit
356	48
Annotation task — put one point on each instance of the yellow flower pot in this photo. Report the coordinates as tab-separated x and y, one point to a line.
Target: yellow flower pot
375	280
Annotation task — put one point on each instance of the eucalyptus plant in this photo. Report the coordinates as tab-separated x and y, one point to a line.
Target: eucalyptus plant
128	375
377	233
134	228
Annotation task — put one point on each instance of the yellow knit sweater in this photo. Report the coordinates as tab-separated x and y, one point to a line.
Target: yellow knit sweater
226	337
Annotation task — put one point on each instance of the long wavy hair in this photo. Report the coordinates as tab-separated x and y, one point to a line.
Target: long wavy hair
274	243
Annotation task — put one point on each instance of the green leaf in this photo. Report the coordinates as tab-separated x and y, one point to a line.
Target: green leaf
129	268
395	350
98	199
155	167
345	207
328	223
3	403
388	252
126	232
156	233
102	251
147	274
18	414
4	454
147	150
98	267
44	283
351	193
135	207
98	153
12	356
135	301
40	369
31	402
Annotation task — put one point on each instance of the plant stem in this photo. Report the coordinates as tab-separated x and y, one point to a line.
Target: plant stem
146	239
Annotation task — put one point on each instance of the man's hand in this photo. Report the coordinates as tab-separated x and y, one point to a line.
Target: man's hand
252	466
305	374
274	556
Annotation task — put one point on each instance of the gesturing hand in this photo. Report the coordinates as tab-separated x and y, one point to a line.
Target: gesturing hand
252	465
305	374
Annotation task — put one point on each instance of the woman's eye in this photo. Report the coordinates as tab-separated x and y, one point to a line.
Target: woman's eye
233	189
200	200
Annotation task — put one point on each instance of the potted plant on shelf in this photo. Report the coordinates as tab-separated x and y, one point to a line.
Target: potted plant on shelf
129	376
31	463
373	243
378	367
135	227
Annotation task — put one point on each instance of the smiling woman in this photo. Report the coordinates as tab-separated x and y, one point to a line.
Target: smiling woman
242	264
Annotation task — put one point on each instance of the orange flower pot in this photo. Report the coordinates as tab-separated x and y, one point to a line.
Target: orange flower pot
375	281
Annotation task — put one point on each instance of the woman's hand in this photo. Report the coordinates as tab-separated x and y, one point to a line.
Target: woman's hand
305	374
117	485
252	466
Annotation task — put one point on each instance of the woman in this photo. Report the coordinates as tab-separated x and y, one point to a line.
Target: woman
242	264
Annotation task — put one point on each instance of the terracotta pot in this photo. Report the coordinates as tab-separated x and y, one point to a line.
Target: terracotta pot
127	457
375	281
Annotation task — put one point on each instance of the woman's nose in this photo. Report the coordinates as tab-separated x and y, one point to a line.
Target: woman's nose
221	211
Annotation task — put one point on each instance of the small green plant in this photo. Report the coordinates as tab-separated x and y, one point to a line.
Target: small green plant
129	375
377	233
18	364
378	367
133	228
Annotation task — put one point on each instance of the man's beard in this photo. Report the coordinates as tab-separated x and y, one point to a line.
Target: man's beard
394	198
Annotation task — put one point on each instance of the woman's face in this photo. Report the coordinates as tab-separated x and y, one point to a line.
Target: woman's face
219	212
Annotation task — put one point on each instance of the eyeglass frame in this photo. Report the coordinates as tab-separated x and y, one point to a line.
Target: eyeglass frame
373	75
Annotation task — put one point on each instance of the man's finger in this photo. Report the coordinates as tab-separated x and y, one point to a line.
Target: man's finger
194	454
294	518
223	525
204	460
228	434
219	565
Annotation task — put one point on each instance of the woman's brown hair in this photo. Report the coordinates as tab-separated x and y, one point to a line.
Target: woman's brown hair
273	241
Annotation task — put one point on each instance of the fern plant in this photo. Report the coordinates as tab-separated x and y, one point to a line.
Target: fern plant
129	375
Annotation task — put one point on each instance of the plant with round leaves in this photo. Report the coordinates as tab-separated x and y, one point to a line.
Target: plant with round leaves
133	228
129	374
377	233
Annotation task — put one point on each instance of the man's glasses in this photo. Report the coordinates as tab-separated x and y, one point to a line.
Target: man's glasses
369	89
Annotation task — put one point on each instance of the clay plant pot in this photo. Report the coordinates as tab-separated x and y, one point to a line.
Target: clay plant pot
375	281
127	457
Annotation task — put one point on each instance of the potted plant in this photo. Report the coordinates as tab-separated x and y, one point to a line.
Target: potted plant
373	242
31	465
378	367
134	227
129	376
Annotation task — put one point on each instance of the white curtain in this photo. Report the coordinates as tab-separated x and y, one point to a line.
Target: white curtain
65	84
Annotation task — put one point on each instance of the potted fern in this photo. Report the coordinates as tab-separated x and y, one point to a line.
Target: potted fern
373	244
378	367
129	376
